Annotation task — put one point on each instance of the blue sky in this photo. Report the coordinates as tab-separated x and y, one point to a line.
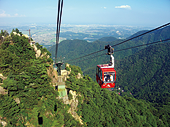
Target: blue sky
107	12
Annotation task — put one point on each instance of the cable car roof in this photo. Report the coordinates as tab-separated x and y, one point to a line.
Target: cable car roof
105	66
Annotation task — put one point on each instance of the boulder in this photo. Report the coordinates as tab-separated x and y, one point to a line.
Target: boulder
78	76
17	100
44	54
3	91
3	123
38	53
48	56
35	48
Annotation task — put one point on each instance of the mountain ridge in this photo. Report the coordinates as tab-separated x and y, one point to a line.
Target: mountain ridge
78	48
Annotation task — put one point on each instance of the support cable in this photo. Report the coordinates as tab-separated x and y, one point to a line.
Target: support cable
60	7
124	49
122	42
142	45
142	34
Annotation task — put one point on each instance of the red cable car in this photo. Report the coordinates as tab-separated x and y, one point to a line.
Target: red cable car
105	73
105	76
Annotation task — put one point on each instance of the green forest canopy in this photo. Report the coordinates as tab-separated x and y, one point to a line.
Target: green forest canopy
27	79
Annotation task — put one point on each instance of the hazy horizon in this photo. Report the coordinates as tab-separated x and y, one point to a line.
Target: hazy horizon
149	13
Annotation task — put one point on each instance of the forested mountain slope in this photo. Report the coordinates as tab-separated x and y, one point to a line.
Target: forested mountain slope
32	101
101	107
30	98
146	74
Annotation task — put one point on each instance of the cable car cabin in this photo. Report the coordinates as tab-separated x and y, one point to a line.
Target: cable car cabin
105	76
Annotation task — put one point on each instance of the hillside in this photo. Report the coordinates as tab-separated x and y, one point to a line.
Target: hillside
100	107
146	74
31	99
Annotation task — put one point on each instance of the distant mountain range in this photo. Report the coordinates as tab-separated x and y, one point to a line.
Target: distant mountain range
107	39
153	36
71	49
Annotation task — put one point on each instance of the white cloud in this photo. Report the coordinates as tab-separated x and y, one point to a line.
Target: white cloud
16	15
124	6
104	7
3	14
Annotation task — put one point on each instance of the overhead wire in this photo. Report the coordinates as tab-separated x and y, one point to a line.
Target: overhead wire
60	7
121	42
124	49
141	34
142	45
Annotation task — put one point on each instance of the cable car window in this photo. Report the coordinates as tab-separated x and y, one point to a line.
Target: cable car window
109	76
97	70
